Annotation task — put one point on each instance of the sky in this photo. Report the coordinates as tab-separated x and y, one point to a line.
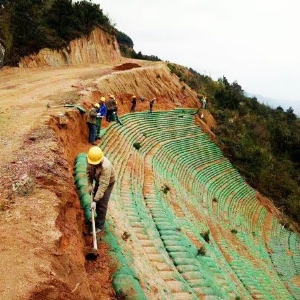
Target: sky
255	42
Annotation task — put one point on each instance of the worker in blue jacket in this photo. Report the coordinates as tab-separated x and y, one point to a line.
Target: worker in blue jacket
101	113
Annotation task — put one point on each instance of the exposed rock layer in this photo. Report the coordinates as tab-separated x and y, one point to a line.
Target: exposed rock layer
98	47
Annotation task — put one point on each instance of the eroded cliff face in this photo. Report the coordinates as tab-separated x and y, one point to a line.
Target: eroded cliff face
151	79
98	47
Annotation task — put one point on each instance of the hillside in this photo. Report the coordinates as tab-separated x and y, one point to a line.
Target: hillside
43	232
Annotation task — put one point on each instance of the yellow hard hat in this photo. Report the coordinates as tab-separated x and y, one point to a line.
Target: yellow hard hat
112	96
95	155
102	99
134	96
97	105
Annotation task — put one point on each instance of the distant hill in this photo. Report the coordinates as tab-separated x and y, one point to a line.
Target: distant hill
274	103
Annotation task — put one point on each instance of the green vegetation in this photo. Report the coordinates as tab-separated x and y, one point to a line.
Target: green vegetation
26	26
205	236
261	142
137	145
126	48
165	189
201	251
125	235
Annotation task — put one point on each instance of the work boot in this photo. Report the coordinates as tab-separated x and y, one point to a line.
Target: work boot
94	143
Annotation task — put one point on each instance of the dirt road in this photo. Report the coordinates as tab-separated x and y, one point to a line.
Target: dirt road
39	248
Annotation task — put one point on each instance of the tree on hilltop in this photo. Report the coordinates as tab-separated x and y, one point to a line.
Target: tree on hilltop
26	26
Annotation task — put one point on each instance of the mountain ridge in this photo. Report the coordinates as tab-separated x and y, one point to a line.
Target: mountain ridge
274	103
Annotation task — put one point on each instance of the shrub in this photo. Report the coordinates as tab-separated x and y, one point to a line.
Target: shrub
137	145
205	236
165	189
201	251
125	235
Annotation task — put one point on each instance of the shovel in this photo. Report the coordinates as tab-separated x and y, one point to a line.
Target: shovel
80	108
93	253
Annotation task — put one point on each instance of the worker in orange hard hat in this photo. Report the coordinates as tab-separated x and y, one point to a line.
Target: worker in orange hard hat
101	171
92	123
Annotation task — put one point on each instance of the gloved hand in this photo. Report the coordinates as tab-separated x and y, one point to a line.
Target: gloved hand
93	206
90	189
98	115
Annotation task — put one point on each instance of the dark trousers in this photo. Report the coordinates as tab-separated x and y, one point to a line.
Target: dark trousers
99	121
102	204
92	132
109	115
133	107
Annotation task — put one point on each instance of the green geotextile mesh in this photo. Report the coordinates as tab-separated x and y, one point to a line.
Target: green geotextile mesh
129	287
82	185
125	281
189	160
186	110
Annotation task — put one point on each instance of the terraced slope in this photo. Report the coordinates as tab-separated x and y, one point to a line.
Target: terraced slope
191	227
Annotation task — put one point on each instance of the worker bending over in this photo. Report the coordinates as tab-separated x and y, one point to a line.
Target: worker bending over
101	172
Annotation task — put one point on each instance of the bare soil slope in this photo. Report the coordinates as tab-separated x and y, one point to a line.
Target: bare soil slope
43	235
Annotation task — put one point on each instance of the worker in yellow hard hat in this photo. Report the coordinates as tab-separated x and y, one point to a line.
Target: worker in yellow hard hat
133	103
101	171
111	106
101	113
92	123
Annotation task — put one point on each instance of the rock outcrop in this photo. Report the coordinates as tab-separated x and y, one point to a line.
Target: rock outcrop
99	47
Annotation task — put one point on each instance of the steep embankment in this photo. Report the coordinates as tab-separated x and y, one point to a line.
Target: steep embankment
98	47
182	221
42	225
191	227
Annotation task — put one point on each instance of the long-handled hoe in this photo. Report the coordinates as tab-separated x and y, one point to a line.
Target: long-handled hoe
79	107
93	253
